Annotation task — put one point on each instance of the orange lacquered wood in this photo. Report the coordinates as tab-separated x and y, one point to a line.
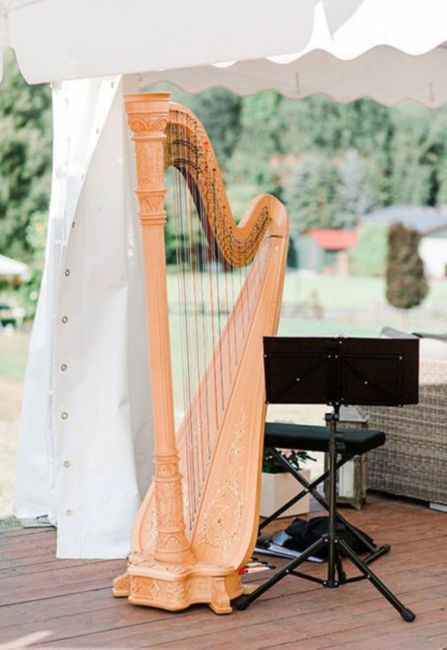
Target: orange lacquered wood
167	567
238	243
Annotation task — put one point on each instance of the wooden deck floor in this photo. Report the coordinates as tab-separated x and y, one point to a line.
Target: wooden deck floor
46	602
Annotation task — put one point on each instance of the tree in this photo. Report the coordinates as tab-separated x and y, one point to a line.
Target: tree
261	124
311	195
219	110
441	198
354	194
411	169
310	124
368	256
364	125
406	286
254	166
25	160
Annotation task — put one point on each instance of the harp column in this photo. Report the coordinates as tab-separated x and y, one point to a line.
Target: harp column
147	116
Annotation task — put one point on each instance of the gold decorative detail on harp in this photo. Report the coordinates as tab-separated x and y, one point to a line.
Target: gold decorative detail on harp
198	522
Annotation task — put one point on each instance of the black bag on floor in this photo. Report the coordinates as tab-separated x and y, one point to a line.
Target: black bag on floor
304	533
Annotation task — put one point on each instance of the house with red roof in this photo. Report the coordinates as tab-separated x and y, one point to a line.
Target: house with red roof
326	250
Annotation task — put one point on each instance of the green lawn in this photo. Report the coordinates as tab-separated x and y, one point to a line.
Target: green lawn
13	355
354	306
332	291
352	291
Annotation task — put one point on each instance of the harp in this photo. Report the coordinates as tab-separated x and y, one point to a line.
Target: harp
197	524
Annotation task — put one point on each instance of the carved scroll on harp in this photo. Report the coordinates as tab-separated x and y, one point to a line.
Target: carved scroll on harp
196	528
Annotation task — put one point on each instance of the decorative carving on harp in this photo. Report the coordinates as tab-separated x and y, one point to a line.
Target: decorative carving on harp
198	522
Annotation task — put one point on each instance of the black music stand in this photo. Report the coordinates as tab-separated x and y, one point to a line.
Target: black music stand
338	371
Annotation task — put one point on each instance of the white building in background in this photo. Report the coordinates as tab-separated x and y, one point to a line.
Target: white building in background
433	251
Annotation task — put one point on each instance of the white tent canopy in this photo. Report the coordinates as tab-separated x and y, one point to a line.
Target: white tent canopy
85	448
386	49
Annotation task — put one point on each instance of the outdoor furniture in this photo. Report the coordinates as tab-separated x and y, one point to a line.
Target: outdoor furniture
313	438
414	461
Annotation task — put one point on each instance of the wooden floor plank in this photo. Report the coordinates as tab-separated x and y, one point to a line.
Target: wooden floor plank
68	603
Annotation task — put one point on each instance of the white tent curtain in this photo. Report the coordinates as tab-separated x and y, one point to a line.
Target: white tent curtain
85	453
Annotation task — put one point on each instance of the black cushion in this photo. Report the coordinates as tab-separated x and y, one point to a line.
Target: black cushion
316	438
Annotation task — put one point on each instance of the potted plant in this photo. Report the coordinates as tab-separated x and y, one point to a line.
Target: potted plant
278	485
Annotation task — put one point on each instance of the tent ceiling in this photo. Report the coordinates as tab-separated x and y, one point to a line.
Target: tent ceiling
384	74
385	49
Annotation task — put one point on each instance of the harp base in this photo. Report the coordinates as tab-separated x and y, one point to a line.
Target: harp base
176	588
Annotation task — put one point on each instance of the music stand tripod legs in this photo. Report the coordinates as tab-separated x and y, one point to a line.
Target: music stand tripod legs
335	573
311	488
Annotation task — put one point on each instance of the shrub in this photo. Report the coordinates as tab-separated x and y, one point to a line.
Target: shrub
406	285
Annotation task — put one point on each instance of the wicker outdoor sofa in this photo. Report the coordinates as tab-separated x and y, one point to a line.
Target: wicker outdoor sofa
413	460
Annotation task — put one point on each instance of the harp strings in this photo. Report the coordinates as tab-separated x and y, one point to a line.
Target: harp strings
210	309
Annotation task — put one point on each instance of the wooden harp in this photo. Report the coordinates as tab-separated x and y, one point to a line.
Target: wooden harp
197	525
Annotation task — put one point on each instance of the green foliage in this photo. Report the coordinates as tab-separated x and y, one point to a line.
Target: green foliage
412	168
36	235
310	124
254	167
220	113
25	159
25	168
318	123
261	124
406	286
368	256
270	465
28	292
312	193
441	198
354	192
10	522
365	126
240	196
292	254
